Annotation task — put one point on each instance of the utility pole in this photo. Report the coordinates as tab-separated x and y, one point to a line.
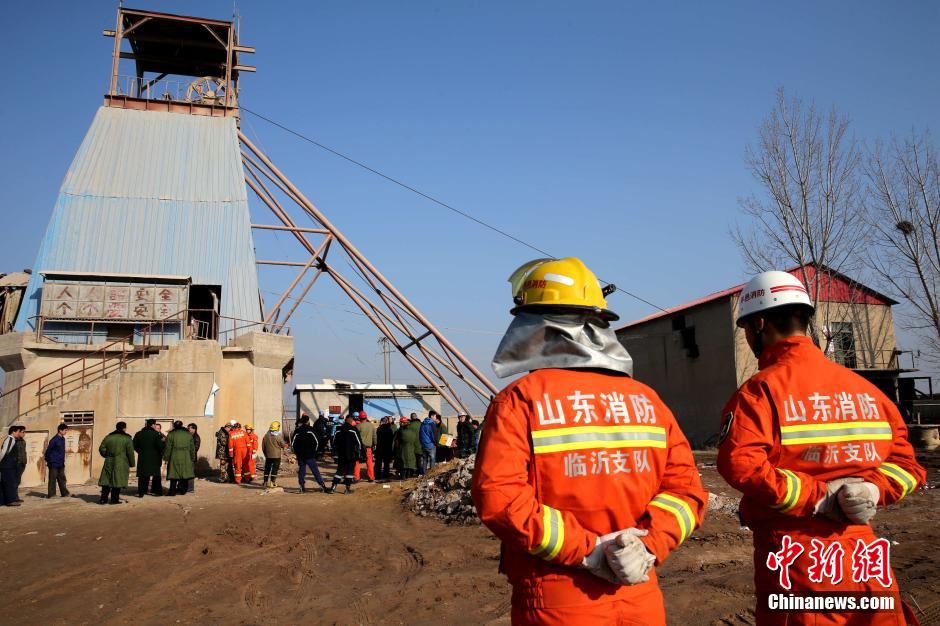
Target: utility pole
386	355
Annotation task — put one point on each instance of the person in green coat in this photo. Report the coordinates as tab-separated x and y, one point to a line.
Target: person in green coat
408	447
118	452
180	455
148	443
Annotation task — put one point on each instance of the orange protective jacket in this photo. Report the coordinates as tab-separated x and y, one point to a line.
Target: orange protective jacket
252	442
569	455
803	420
237	440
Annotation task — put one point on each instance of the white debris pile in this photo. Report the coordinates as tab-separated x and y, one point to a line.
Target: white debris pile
445	494
722	504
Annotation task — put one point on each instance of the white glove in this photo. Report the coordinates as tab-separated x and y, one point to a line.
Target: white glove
859	501
596	561
828	505
628	557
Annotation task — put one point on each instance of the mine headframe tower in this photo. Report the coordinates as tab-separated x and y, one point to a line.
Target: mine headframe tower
207	52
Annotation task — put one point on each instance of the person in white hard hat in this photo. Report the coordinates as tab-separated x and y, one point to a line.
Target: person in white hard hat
815	449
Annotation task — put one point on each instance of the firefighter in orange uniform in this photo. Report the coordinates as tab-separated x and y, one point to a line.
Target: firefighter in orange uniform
582	471
815	449
238	451
252	440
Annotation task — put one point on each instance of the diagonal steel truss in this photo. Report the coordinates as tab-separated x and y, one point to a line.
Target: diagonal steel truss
431	354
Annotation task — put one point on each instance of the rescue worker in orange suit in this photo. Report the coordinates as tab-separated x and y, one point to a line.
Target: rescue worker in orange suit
238	451
249	465
815	449
582	471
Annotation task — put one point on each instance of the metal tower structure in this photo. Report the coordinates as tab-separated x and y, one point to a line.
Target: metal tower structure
206	52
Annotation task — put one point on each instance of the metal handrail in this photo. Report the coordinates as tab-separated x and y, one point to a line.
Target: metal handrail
82	372
108	358
861	358
164	90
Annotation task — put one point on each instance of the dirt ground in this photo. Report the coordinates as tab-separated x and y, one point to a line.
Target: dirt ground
235	555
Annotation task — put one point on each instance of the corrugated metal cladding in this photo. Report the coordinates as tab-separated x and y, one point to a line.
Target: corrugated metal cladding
155	193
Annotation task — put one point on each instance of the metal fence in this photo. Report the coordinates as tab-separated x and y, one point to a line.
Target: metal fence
207	90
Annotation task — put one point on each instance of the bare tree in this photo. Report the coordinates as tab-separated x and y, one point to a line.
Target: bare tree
903	215
807	216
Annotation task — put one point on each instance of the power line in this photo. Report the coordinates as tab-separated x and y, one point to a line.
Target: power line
424	195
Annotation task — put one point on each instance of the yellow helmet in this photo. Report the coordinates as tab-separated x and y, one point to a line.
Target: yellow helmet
249	427
275	426
563	283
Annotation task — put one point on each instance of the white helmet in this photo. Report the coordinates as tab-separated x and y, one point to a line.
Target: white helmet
769	290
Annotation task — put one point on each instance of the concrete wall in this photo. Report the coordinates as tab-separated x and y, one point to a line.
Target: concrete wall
695	389
174	384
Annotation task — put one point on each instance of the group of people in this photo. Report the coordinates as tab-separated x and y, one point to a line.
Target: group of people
586	477
236	449
177	449
153	459
362	449
152	452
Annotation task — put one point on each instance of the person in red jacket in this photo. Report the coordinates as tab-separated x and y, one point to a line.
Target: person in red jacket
815	449
238	451
251	453
582	471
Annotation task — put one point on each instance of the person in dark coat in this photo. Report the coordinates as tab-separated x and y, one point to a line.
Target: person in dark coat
464	436
55	461
305	444
180	457
12	463
347	447
321	428
118	452
408	447
149	446
197	441
384	447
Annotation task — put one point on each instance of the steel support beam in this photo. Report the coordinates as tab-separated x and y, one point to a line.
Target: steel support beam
354	253
314	258
316	231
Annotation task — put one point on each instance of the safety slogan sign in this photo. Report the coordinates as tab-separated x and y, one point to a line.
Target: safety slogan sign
109	301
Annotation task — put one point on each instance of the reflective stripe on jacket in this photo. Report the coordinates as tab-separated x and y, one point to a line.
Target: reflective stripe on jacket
804	420
568	455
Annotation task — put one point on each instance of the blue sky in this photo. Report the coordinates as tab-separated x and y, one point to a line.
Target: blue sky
614	132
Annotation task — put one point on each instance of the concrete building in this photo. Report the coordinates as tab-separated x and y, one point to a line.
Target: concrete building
695	357
341	398
144	301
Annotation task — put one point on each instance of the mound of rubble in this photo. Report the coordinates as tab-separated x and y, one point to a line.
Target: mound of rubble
718	503
445	493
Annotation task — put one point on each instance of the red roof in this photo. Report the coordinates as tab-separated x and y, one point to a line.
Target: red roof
835	287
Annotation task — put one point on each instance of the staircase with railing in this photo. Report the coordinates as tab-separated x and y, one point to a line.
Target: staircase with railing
116	356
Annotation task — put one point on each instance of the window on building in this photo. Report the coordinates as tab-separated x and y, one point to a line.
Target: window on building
80	418
686	335
842	344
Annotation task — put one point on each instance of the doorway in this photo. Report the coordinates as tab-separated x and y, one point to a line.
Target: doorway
204	303
78	444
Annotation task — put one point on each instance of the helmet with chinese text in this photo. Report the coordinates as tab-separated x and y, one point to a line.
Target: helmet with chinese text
769	290
559	285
